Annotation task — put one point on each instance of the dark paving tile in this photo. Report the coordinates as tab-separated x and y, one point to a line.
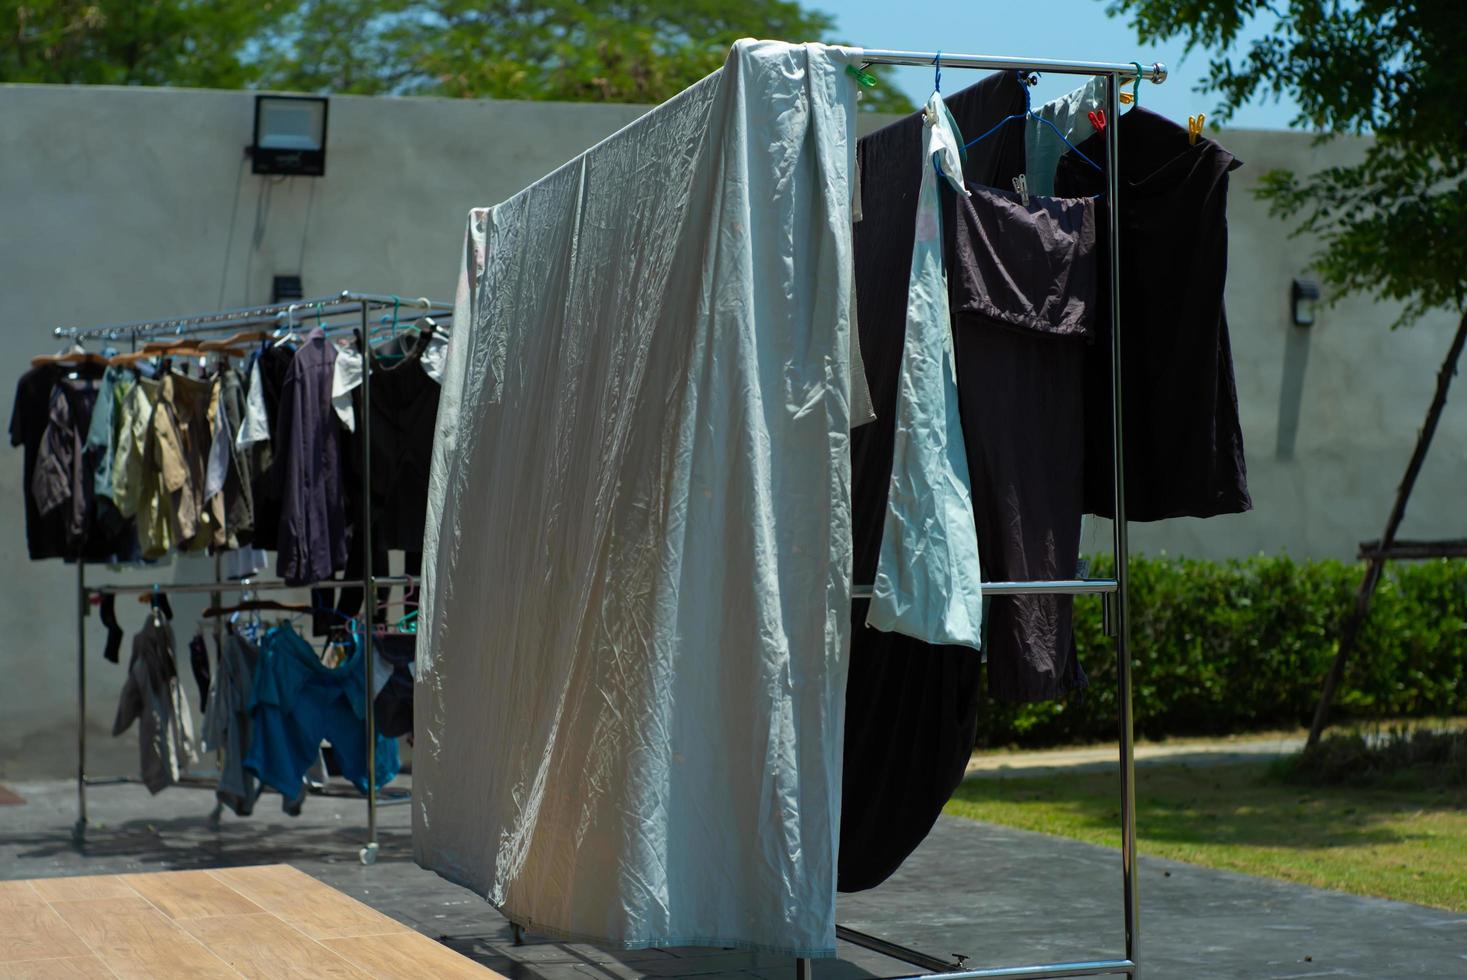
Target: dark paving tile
998	896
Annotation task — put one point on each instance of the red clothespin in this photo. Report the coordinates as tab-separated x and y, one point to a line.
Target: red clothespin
1097	119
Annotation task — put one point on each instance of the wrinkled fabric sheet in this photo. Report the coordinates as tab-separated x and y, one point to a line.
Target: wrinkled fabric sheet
636	583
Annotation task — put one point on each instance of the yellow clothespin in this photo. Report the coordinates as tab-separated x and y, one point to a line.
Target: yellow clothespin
1194	128
1127	98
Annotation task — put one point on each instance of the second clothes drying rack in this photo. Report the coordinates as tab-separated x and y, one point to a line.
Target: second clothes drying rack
346	304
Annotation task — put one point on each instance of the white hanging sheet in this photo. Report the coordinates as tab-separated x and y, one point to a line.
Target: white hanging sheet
636	589
927	581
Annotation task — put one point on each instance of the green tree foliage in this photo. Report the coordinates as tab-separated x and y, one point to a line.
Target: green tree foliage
568	50
1394	224
160	42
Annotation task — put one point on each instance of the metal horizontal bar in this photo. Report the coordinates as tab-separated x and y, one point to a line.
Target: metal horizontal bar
383	299
1074	586
1157	72
894	950
1043	971
270	585
186	781
344	303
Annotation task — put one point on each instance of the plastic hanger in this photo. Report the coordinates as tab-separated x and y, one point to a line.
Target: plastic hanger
287	331
1133	96
1029	111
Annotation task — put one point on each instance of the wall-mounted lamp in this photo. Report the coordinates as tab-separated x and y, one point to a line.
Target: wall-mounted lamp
1304	294
290	135
283	289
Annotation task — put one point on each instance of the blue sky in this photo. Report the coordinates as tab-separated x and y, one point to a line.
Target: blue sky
1077	29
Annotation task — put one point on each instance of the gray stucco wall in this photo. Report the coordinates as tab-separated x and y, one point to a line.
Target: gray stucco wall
124	204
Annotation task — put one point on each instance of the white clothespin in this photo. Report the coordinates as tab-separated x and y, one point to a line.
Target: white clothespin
1021	187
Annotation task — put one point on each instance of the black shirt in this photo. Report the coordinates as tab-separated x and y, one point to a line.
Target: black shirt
1183	441
1023	304
404	414
266	463
46	535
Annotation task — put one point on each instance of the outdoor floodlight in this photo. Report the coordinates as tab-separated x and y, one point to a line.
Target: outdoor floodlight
290	135
283	289
1304	293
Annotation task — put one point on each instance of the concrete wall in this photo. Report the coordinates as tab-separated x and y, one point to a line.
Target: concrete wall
124	204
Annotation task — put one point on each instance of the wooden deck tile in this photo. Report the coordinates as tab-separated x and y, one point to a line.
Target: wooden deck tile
318	910
69	968
234	923
264	946
30	930
83	888
407	956
134	939
190	894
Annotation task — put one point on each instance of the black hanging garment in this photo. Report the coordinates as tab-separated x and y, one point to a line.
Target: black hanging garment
404	414
393	706
911	708
51	416
267	459
114	632
1183	442
1023	292
198	658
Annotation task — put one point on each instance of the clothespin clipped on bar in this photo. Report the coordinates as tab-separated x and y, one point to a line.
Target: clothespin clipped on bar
1097	119
1194	128
1021	187
1127	98
863	78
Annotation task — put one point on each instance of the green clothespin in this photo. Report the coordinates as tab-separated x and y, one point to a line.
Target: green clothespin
863	78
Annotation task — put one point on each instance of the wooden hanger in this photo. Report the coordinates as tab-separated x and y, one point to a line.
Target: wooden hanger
162	346
250	605
77	356
245	337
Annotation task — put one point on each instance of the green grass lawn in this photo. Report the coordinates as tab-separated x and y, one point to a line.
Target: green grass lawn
1406	844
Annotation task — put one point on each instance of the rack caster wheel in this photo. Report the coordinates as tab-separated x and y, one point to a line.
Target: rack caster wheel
368	854
215	819
519	933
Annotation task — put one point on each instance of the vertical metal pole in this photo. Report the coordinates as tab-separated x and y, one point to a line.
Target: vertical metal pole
1122	623
369	592
216	599
804	968
79	831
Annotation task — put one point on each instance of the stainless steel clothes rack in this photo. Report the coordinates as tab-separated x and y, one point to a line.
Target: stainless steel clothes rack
1114	591
280	315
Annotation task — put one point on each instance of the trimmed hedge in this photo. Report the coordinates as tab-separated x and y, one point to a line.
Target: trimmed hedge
1225	647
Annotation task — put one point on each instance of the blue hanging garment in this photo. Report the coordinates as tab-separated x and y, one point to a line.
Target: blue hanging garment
927	581
297	701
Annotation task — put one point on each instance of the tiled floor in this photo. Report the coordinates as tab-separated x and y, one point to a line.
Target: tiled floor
995	895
